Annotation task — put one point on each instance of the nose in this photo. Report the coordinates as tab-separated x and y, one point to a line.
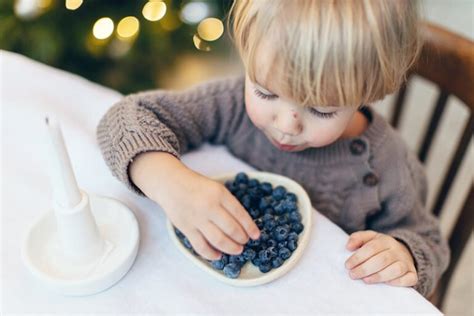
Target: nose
288	122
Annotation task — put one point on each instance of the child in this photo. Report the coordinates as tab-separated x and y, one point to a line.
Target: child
311	69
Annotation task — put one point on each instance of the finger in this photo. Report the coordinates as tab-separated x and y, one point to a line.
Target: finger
227	223
393	271
231	204
357	239
373	265
408	279
201	245
219	240
368	250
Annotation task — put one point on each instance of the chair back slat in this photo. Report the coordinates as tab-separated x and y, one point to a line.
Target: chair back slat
434	121
399	104
456	162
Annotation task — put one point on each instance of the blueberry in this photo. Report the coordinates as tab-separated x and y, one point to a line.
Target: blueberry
280	233
267	217
272	252
254	213
266	188
241	177
291	197
294	216
279	193
271	243
277	262
297	227
253	243
220	263
264	203
264	236
249	254
239	194
241	186
256	261
270	224
253	183
289	206
246	201
264	255
232	270
282	219
255	192
292	244
187	243
280	208
284	253
282	244
237	259
179	233
230	186
268	210
259	223
292	236
265	267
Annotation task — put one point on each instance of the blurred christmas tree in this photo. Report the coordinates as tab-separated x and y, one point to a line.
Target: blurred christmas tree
123	44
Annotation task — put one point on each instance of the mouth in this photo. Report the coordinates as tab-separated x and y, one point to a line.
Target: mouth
284	147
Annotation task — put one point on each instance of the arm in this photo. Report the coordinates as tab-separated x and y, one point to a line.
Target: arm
169	121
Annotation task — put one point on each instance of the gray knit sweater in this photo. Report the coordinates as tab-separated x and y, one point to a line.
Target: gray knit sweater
369	182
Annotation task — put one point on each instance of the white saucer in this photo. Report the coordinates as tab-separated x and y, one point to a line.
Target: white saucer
250	275
43	257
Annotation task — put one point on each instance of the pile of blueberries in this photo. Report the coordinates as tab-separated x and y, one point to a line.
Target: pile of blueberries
276	214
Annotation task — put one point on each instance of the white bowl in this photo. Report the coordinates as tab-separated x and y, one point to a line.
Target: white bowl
250	275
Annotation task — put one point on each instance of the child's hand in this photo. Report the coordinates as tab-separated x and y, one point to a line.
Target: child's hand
202	209
208	214
380	258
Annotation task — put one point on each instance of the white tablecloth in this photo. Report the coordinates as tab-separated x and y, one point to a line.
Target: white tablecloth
161	280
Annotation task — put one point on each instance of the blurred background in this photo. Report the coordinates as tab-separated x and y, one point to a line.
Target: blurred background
133	45
125	45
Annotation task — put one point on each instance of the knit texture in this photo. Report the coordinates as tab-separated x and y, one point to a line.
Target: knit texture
369	182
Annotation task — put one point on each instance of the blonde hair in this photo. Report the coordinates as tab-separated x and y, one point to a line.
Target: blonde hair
354	52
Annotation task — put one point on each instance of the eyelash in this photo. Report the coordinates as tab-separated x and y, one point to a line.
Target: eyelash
315	112
322	114
262	95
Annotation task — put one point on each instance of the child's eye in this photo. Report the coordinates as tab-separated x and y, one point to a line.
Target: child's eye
322	114
262	95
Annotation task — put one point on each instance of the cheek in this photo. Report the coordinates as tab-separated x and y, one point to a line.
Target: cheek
324	133
258	113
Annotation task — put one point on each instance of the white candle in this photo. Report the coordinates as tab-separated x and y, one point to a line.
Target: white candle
65	190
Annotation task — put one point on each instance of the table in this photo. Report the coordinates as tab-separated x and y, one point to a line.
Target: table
161	280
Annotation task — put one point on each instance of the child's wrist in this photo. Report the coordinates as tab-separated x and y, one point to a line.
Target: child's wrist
151	170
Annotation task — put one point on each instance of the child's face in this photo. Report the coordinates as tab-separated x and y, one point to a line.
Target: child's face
292	127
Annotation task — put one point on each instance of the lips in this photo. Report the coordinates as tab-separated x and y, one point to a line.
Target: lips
283	147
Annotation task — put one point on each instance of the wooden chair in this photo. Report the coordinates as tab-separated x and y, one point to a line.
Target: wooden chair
447	60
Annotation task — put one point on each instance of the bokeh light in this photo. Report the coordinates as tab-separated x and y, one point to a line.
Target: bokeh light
128	27
194	12
210	29
200	44
103	28
154	10
73	4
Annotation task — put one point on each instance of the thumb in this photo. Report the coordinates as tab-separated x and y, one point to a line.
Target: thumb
357	239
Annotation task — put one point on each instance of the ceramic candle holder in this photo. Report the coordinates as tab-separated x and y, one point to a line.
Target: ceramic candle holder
85	243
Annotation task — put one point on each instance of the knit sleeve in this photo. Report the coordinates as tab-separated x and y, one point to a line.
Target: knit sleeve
405	217
169	121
